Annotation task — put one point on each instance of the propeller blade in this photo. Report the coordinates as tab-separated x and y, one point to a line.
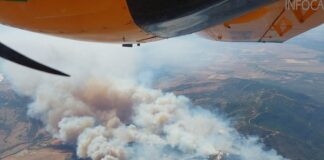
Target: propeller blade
13	56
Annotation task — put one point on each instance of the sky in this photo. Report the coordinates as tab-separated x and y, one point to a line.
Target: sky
190	49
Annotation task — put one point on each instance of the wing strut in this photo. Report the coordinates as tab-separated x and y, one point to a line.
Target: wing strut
14	56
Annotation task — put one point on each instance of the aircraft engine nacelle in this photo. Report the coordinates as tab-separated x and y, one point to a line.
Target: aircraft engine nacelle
121	21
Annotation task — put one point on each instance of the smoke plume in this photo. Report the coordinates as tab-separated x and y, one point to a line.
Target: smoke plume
108	115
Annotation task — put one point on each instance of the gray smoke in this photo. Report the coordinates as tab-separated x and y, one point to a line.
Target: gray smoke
108	115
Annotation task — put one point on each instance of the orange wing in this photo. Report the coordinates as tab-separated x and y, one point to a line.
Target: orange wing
277	22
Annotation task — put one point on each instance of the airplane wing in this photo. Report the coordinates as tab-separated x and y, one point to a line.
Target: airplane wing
276	22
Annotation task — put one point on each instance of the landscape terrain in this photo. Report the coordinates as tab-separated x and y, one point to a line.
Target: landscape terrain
22	137
273	92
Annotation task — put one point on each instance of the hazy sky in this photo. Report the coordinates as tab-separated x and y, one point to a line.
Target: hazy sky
189	49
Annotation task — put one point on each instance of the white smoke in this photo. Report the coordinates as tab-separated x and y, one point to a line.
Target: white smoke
108	115
1	78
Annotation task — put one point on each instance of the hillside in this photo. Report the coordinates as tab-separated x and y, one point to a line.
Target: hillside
20	136
287	121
